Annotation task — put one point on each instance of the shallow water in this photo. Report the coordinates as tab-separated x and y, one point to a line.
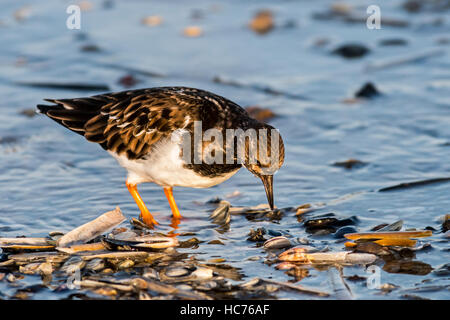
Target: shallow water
52	179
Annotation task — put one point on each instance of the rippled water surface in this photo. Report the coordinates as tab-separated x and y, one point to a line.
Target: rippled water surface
52	179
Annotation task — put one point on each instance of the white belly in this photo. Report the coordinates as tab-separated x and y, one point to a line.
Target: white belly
164	167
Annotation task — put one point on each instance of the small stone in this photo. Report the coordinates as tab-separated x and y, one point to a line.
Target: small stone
203	274
393	42
192	31
216	242
351	51
152	21
367	91
260	114
128	81
90	48
350	164
106	291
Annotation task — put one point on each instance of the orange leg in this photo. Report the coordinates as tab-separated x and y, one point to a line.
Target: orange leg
175	212
146	216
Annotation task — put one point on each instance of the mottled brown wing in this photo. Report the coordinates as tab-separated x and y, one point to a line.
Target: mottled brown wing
132	126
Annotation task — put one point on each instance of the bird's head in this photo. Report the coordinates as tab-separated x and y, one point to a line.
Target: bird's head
264	155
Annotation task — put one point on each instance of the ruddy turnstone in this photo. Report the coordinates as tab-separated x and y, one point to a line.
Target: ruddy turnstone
138	127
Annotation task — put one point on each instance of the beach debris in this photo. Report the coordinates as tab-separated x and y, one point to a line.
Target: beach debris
387	238
393	42
389	235
350	164
150	242
29	113
261	114
257	235
407	267
339	233
262	22
152	21
413	58
277	243
396	226
193	31
368	91
26	244
90	48
221	215
92	229
351	51
128	81
298	288
301	255
66	86
327	223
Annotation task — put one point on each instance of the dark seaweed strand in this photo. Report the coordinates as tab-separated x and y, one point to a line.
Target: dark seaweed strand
415	184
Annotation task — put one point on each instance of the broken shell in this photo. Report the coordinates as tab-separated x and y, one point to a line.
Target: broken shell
396	226
45	269
152	21
125	264
31	268
143	242
222	214
277	243
72	265
95	265
203	273
92	229
177	272
82	248
294	254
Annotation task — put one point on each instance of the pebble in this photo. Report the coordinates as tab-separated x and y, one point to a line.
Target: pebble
203	273
192	31
351	51
152	21
262	22
367	91
350	164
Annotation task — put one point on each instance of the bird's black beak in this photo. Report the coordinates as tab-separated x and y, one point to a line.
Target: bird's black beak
268	185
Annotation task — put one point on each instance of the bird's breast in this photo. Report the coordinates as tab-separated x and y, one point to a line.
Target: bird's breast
164	166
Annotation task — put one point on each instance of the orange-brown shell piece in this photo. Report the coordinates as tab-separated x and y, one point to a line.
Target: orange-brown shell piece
389	235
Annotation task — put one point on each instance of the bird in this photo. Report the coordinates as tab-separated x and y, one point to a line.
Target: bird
145	131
